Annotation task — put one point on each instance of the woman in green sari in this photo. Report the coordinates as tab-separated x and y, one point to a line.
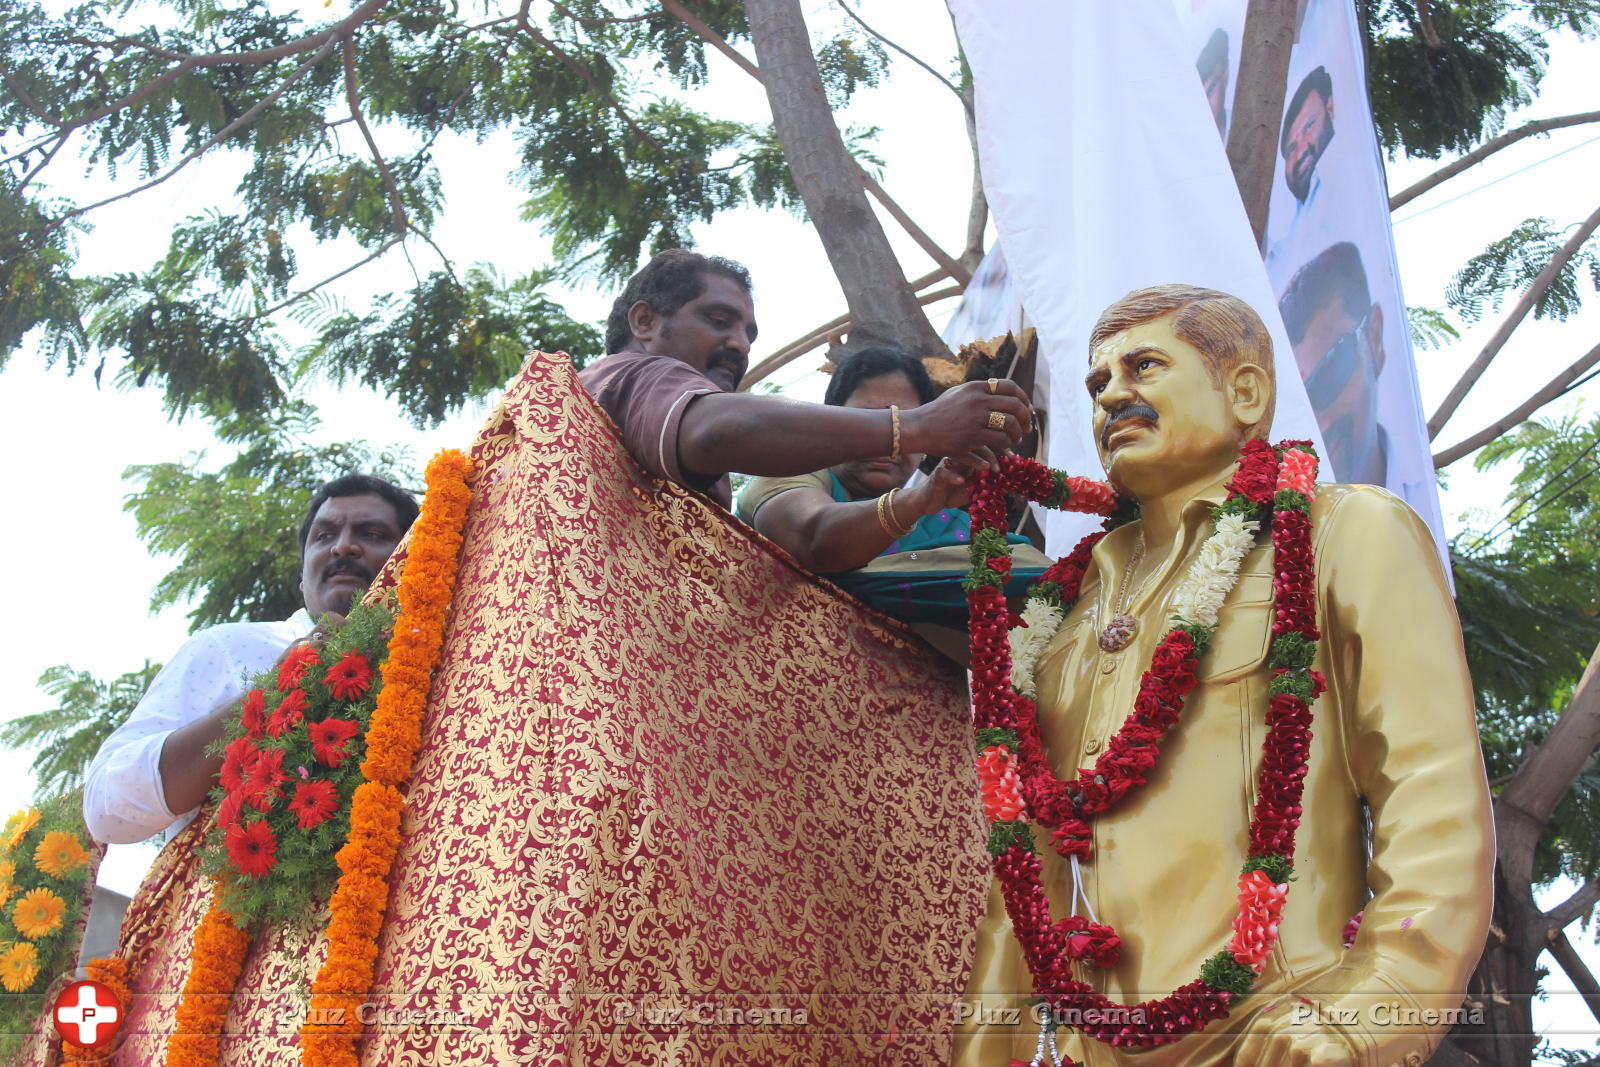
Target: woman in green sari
901	549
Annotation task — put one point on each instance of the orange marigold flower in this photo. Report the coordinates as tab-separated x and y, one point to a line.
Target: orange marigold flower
38	914
19	966
360	901
59	854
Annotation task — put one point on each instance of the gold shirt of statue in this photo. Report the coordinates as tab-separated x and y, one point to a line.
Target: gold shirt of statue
1396	811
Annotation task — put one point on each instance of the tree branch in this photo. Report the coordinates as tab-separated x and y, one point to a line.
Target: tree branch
1524	807
917	234
711	37
329	280
1554	389
1484	151
1430	36
1530	297
321	40
221	135
1563	952
584	21
1269	27
28	101
809	340
965	103
44	161
1576	906
524	24
397	206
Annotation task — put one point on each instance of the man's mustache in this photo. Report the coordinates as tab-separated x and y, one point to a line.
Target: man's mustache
729	358
346	566
1132	411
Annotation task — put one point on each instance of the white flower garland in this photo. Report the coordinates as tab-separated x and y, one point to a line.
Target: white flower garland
1207	584
1040	621
1215	571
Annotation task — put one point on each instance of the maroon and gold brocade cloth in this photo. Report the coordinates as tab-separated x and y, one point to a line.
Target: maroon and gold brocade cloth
677	802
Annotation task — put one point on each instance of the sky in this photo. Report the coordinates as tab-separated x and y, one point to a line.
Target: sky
81	580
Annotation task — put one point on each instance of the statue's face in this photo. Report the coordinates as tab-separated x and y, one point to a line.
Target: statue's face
1159	419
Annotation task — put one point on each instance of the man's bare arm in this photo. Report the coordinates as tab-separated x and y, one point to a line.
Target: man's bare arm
774	437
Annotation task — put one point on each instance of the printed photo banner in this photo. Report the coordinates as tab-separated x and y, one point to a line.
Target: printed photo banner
1079	225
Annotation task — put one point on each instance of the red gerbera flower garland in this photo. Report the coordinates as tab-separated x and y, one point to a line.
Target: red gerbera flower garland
1015	778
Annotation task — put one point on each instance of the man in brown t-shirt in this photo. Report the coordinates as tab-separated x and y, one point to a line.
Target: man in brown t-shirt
680	337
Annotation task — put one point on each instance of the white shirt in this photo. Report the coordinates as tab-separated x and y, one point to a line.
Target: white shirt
123	797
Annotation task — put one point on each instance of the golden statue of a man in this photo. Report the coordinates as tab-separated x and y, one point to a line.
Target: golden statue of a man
1396	820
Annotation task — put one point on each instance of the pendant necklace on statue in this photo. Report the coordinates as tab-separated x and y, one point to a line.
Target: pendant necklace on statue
1120	630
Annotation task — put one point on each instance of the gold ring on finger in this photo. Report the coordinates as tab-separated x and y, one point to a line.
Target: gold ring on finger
997	420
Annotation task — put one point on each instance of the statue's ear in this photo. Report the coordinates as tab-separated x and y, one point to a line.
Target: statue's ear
1250	393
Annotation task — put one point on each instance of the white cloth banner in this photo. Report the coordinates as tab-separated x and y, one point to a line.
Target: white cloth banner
1104	174
1098	125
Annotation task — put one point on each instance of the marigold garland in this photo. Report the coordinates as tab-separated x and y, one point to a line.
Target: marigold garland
216	962
111	972
1277	481
252	778
360	903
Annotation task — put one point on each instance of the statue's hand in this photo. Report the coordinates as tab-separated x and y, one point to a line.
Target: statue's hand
1278	1041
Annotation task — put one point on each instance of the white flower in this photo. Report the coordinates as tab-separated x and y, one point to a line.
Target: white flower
1041	620
1215	571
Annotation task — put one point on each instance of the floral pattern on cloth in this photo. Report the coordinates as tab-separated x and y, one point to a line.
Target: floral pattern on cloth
642	770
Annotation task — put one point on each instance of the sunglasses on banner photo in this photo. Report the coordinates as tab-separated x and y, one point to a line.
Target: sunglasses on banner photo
1327	381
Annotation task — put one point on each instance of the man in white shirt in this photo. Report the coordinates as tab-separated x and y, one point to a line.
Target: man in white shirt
153	772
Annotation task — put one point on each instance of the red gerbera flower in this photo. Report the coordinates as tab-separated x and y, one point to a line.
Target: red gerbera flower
252	710
294	665
350	677
237	759
230	810
252	848
264	779
314	802
328	739
290	713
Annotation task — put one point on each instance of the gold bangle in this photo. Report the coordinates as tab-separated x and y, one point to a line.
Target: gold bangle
888	519
894	427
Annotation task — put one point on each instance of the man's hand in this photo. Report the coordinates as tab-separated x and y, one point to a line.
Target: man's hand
961	420
318	637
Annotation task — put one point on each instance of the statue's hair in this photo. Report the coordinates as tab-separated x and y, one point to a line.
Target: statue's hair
1223	329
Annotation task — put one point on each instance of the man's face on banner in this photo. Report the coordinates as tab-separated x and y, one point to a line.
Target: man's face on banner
1309	131
1340	358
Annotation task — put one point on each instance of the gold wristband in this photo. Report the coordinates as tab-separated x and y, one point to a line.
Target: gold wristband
894	426
888	519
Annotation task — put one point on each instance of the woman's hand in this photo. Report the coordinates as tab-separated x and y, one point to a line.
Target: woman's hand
949	486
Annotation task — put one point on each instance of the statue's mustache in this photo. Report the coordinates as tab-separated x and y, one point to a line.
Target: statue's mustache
1132	411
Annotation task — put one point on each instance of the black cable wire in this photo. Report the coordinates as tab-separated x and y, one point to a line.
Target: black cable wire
1494	530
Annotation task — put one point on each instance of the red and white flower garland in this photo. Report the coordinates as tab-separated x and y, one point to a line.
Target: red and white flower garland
1017	784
